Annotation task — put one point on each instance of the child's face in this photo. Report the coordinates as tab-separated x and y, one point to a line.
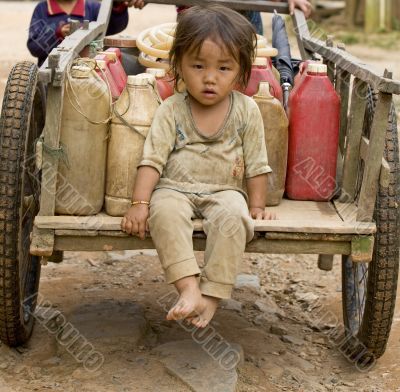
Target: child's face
209	75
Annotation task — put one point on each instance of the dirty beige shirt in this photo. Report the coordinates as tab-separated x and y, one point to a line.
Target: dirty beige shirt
191	162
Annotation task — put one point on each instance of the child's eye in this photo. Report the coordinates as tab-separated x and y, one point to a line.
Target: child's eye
197	66
224	68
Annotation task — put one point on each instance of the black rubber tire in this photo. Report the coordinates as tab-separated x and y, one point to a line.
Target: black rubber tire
21	123
370	324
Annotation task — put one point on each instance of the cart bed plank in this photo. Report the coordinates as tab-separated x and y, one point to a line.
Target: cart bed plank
292	217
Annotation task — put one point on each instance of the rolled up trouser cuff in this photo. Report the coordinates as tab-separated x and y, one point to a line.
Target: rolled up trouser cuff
182	269
215	289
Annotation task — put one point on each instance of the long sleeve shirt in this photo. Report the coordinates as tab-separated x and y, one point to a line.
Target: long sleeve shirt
48	18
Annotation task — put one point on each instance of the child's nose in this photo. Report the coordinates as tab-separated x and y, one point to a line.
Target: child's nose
210	76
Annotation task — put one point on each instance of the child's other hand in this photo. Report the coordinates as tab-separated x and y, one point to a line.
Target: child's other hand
304	5
135	3
65	29
135	221
260	213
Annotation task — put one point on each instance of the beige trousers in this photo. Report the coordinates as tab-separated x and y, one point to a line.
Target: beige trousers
227	224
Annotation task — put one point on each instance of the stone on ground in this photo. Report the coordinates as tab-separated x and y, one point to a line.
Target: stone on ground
204	367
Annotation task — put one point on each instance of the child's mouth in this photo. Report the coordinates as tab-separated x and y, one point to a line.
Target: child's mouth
209	93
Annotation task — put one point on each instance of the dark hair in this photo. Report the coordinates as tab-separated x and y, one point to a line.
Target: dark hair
221	24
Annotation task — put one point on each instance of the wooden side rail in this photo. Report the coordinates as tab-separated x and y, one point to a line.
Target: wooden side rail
353	65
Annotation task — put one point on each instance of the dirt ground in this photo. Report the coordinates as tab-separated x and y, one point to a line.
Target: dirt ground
113	300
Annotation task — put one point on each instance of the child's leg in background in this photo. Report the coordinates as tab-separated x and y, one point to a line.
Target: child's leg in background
171	229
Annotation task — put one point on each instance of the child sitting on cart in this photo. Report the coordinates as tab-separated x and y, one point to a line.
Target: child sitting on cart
200	146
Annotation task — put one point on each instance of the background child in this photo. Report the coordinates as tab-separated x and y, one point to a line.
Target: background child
200	145
49	24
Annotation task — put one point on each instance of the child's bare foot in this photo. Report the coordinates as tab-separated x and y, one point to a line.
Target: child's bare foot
189	299
205	311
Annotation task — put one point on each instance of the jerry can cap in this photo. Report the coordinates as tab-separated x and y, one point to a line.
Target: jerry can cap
263	91
110	55
102	64
157	72
142	79
260	61
317	68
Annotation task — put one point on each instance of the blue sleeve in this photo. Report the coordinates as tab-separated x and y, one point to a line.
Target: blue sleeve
42	34
118	19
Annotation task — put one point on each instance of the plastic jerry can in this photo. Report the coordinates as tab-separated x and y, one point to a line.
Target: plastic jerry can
165	83
83	138
104	72
133	115
115	67
314	116
276	141
261	72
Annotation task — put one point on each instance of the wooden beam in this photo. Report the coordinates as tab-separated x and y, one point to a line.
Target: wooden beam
369	187
287	226
384	174
251	5
260	245
301	32
354	131
104	15
329	64
343	87
352	65
69	49
362	248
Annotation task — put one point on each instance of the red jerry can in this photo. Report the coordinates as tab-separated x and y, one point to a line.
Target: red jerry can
261	71
314	115
104	72
165	83
115	66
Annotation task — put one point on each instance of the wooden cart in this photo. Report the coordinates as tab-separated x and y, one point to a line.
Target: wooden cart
361	223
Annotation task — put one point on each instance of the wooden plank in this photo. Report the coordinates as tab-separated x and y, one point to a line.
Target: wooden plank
354	131
362	248
42	243
301	30
352	65
250	5
329	64
384	175
268	236
50	160
287	226
346	210
260	245
104	15
308	236
369	186
344	88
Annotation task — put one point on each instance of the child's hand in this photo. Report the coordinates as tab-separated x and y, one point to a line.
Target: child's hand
260	213
135	221
65	29
304	5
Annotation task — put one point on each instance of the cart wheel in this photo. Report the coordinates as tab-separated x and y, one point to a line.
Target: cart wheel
21	123
369	289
